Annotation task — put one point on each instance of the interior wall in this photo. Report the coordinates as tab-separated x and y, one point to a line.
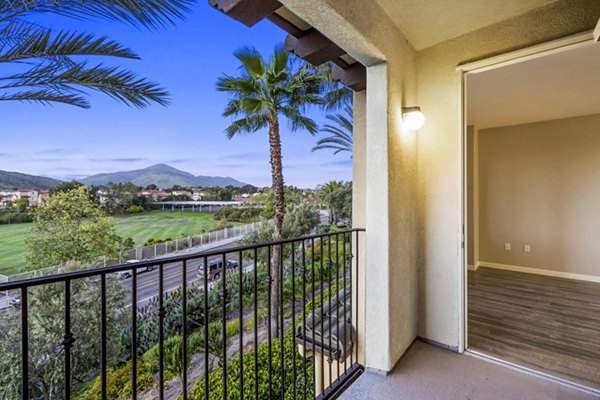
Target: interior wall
539	186
441	276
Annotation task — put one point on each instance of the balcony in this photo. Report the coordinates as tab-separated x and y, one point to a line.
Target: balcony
278	321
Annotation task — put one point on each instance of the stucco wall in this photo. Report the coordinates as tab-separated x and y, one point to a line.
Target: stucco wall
390	169
413	204
539	186
440	151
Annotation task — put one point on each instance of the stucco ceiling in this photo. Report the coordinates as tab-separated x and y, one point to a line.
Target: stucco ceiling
558	86
427	22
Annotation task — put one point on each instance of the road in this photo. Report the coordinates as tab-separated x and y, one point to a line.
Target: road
147	282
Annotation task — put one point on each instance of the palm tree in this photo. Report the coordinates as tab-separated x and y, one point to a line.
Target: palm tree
262	94
340	139
46	66
325	193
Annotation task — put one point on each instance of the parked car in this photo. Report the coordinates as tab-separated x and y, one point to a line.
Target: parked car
15	300
215	268
127	273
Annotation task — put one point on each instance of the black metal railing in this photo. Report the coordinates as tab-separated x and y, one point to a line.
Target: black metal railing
292	306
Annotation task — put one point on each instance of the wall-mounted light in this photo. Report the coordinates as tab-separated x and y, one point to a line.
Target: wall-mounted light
413	117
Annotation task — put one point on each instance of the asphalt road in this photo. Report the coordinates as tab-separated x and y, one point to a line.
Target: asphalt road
147	282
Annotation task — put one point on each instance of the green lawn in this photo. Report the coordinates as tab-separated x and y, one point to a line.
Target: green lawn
156	224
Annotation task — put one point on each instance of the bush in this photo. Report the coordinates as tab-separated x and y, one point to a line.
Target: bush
152	241
134	209
118	383
173	357
245	214
232	328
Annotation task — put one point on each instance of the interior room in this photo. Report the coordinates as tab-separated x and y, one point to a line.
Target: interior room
533	213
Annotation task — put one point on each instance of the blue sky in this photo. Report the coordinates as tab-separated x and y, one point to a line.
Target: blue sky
69	143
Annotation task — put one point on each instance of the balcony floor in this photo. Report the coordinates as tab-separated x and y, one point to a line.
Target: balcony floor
428	373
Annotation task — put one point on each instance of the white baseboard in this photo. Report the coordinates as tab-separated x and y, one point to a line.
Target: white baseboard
473	267
538	271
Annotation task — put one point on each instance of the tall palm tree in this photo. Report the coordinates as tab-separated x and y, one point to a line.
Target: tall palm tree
47	66
262	94
340	133
325	193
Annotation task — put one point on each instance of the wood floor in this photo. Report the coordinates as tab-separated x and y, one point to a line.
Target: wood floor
545	323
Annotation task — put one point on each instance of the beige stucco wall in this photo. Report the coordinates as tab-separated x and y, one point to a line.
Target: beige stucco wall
539	186
440	152
413	207
390	169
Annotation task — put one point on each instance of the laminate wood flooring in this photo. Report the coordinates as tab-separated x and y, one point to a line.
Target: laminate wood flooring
544	323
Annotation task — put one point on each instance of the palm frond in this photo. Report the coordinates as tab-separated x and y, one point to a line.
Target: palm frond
38	44
340	139
142	13
252	61
45	96
121	85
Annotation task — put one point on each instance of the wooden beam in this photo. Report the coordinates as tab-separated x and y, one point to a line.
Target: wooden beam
313	47
248	12
285	25
355	77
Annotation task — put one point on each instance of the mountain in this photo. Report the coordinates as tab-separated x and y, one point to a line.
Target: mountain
163	176
17	180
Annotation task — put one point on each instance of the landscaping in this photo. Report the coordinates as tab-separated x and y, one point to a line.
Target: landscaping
140	227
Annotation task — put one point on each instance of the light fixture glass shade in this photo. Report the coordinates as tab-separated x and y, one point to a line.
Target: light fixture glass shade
413	117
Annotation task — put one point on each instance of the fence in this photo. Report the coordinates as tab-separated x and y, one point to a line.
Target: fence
147	252
173	246
304	347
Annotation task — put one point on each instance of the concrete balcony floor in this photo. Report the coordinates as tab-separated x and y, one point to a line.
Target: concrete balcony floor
428	373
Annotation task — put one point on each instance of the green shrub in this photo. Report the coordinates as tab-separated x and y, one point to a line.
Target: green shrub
118	383
173	357
134	209
238	214
232	328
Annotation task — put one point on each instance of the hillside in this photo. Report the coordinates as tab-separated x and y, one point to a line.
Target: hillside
17	180
163	176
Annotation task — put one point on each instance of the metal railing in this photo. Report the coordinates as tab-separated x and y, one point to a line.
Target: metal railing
295	302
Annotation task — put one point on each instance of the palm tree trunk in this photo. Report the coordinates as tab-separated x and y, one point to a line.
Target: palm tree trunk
279	209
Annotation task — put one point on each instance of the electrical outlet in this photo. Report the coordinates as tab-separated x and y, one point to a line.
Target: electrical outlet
507	246
527	248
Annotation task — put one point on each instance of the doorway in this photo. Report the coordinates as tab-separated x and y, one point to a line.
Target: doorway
532	163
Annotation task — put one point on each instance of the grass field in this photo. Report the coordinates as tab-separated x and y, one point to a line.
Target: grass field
156	224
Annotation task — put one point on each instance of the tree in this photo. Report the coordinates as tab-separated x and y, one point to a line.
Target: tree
120	196
45	66
64	187
262	94
22	205
340	139
69	226
300	219
340	202
46	330
324	195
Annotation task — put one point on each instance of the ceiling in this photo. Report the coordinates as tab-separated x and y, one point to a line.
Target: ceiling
557	86
440	20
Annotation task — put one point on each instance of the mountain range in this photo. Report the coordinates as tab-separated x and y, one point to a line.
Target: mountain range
17	180
162	175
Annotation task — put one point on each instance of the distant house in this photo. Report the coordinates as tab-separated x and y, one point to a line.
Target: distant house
154	195
197	196
181	193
